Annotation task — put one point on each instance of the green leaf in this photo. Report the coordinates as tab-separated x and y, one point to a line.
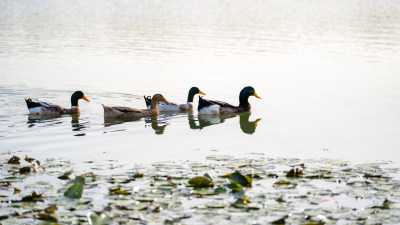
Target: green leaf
16	191
66	175
29	160
118	191
51	209
241	202
34	197
282	182
238	178
47	217
201	182
219	190
76	189
95	219
208	176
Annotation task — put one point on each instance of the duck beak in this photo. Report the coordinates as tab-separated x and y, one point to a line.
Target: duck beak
255	122
84	98
165	101
200	92
256	95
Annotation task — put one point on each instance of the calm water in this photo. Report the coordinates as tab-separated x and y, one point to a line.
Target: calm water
328	73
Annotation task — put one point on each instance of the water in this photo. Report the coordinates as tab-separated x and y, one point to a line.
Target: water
328	73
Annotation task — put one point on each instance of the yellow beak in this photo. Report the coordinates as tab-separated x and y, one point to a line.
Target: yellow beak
255	122
84	98
200	92
256	95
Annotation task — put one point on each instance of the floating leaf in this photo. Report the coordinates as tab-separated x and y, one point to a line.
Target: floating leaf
282	182
3	217
200	182
235	187
220	189
76	189
29	160
208	176
47	217
241	202
118	191
385	205
51	209
14	160
25	169
368	175
95	219
16	191
34	197
138	175
238	178
66	175
295	172
280	221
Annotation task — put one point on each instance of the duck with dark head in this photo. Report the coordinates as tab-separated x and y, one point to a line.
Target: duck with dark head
219	107
39	107
174	107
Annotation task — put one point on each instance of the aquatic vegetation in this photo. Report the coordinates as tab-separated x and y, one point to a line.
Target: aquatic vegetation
221	190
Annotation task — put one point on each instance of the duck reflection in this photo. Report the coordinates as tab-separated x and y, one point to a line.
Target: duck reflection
77	126
202	121
152	122
37	119
247	126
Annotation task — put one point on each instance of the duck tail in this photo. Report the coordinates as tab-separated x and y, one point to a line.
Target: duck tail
147	100
31	104
202	103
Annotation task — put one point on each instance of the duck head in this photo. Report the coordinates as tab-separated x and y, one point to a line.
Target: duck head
192	92
76	96
245	94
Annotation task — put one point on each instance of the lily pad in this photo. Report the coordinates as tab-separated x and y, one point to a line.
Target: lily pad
95	219
76	189
201	182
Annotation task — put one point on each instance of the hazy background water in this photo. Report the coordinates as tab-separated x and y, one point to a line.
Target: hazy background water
328	73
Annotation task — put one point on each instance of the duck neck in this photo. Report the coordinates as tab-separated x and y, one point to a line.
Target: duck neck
74	102
190	96
244	100
154	104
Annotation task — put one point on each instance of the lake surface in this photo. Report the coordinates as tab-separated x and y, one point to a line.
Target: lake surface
328	73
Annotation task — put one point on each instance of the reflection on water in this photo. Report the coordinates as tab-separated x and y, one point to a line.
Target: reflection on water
247	126
45	119
202	121
77	126
49	120
154	123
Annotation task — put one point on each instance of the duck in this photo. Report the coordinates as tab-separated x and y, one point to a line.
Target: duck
219	107
174	107
39	107
126	112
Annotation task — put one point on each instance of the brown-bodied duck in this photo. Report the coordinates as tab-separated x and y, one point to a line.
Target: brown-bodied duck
126	112
174	107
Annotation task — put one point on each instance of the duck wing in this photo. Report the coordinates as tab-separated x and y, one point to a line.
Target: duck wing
127	109
33	104
43	107
205	103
